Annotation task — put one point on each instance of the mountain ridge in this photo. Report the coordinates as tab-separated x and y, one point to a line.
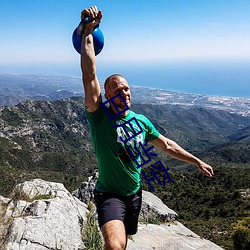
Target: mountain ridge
54	135
50	140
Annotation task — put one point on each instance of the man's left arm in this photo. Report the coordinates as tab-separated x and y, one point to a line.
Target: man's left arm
174	150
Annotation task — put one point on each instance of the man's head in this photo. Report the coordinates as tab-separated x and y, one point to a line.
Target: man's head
114	85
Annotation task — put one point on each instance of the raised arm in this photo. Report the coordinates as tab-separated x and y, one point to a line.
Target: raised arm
88	63
174	150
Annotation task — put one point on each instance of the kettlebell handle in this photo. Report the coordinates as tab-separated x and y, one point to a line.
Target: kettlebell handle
86	20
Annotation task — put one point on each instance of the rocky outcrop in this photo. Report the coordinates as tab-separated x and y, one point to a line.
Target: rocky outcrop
85	192
168	236
152	206
43	215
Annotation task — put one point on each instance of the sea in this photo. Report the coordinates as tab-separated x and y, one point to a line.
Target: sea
228	79
231	79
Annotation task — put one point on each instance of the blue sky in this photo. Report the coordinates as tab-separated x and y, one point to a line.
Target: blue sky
35	35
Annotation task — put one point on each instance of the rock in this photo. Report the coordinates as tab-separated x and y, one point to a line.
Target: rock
44	216
152	206
172	235
245	193
85	192
169	236
4	215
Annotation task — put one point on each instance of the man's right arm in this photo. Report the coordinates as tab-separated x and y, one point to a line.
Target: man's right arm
174	150
88	63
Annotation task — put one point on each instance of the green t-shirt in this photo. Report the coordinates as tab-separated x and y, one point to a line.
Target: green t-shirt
118	172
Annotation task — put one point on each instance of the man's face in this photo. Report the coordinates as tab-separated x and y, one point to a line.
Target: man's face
115	86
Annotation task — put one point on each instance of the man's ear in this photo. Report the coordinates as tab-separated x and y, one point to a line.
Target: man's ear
106	96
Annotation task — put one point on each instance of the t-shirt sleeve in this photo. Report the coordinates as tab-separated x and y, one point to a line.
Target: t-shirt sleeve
151	133
94	117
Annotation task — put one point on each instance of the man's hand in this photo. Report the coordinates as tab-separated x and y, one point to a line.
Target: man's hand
92	12
206	169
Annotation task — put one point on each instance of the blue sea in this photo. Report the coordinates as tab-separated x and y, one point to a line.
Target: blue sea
230	79
221	79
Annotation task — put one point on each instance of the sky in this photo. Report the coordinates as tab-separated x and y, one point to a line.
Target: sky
143	39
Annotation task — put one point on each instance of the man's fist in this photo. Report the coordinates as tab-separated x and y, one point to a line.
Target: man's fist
94	14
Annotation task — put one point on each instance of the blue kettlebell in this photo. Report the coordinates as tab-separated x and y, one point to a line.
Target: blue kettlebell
98	37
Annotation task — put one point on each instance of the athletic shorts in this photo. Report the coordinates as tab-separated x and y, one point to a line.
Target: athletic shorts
117	207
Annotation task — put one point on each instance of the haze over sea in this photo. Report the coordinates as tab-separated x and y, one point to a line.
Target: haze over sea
230	79
220	79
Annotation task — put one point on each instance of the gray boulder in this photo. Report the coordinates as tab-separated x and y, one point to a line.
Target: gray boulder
169	236
85	192
152	206
43	215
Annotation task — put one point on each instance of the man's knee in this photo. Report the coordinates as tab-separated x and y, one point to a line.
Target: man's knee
114	235
115	245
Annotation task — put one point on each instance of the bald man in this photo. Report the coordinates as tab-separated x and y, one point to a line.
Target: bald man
118	189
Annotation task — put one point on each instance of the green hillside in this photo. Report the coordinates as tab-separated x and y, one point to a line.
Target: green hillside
51	140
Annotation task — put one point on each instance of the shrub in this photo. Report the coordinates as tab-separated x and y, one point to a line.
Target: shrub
91	235
241	234
151	219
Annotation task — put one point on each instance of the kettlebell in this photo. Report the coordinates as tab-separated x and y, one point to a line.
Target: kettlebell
98	37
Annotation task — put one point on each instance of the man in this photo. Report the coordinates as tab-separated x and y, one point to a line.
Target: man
118	189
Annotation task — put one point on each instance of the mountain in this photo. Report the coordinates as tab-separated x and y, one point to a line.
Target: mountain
15	88
51	139
206	126
241	136
236	150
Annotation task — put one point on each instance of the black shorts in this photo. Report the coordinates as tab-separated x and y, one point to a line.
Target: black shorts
117	207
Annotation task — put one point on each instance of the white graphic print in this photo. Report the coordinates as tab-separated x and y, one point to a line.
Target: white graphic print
122	135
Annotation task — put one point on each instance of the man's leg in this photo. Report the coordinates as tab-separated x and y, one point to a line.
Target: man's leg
114	235
111	212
